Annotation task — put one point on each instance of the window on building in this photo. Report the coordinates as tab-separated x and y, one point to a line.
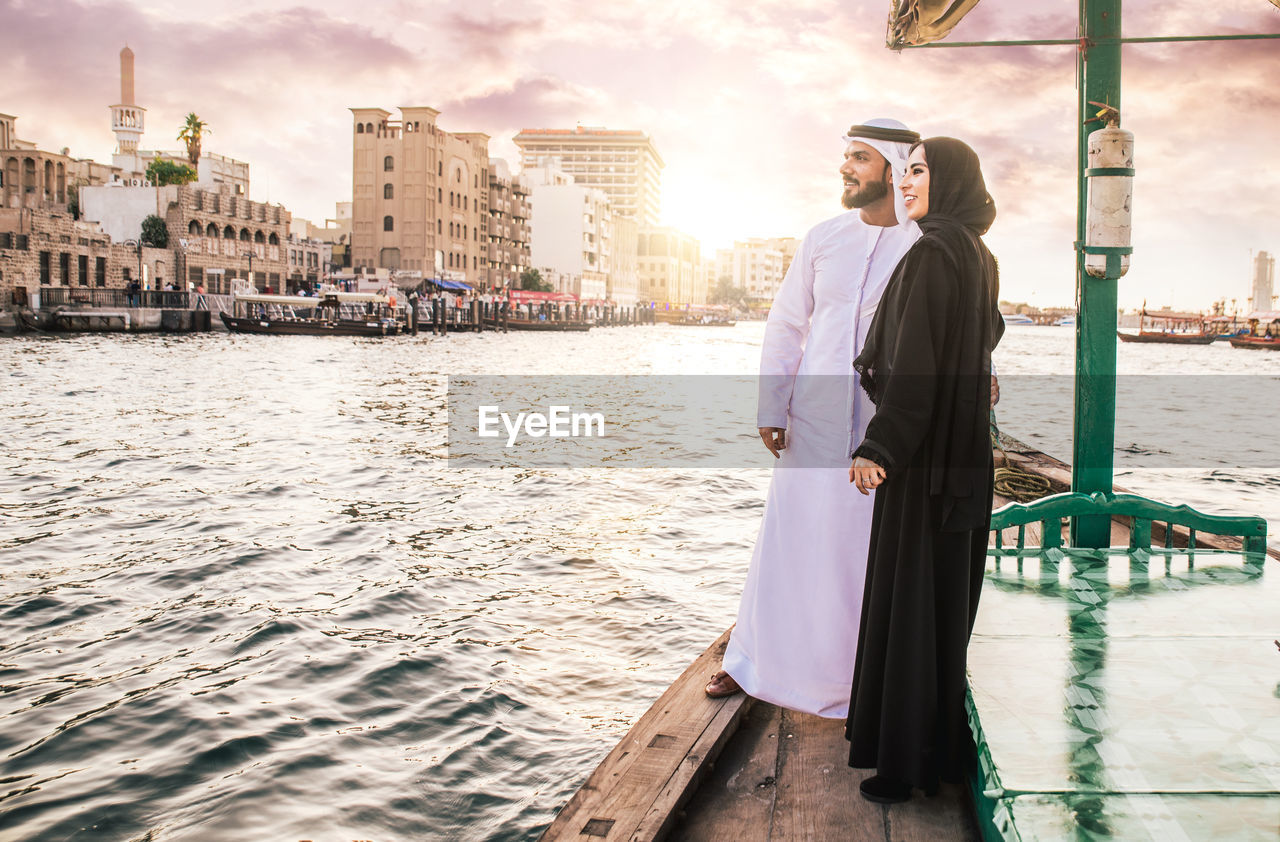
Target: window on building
368	128
388	192
439	195
359	128
64	267
439	227
46	269
440	168
457	176
99	271
388	224
464	202
388	163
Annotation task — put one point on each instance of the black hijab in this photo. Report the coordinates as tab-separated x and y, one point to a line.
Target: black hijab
936	326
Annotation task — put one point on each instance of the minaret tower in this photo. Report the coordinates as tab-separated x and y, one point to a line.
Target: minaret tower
127	119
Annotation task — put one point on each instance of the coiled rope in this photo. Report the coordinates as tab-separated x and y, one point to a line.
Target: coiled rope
1014	482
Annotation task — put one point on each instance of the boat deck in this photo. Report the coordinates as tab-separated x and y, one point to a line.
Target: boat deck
1119	696
1112	696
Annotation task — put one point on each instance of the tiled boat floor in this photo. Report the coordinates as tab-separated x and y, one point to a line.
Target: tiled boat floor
1128	699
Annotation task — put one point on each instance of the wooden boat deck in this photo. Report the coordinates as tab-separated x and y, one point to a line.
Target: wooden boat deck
699	769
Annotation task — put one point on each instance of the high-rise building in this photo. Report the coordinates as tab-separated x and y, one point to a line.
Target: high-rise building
509	235
419	196
624	164
571	231
1264	273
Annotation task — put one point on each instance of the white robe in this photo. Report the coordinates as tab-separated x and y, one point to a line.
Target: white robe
797	631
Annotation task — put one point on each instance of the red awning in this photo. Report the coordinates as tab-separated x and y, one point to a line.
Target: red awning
528	296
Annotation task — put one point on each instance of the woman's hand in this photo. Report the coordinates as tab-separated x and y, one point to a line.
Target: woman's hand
866	475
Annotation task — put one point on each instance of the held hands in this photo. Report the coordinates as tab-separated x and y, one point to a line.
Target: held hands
774	438
866	475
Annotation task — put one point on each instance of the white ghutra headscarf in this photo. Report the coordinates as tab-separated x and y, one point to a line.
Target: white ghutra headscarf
893	140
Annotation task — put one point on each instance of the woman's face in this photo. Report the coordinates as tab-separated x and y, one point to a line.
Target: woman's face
915	184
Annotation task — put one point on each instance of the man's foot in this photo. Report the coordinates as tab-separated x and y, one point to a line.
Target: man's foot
722	685
884	790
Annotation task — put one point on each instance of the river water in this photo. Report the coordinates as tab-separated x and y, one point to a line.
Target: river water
245	595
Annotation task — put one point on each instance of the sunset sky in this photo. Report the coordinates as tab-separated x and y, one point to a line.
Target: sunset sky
746	101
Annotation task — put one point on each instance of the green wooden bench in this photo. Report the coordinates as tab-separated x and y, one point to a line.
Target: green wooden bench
1115	697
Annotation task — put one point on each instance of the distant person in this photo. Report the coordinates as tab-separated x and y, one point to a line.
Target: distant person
797	628
927	454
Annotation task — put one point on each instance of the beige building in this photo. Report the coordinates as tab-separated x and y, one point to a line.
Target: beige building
670	267
33	178
215	237
420	196
623	164
45	248
509	218
754	265
624	271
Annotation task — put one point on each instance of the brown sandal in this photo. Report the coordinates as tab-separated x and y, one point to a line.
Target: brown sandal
722	686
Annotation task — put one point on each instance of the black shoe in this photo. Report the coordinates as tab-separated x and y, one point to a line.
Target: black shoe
884	790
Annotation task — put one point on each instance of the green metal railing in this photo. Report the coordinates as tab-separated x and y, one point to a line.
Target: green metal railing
1049	512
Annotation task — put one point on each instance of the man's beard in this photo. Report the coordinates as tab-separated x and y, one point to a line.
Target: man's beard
871	193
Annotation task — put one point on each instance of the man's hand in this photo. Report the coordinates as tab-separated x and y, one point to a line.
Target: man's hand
995	390
866	475
774	438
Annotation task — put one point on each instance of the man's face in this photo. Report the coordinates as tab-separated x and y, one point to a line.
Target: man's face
867	175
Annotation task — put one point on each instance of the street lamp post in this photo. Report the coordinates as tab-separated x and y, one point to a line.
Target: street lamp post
249	254
137	245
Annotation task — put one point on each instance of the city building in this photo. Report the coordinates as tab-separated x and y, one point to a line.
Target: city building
309	261
420	196
1264	274
509	231
571	231
624	270
216	237
336	234
41	248
753	265
670	267
33	178
624	164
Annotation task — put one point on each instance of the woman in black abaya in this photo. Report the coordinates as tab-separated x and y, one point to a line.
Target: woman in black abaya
927	367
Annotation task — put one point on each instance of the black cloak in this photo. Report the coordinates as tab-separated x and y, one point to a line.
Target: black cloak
927	367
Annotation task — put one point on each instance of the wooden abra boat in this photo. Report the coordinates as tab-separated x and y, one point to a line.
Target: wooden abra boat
1263	332
330	314
1174	329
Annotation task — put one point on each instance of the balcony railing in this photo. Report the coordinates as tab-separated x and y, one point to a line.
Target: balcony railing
93	297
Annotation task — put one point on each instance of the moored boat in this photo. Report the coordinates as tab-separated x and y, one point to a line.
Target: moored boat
1263	332
329	314
1171	329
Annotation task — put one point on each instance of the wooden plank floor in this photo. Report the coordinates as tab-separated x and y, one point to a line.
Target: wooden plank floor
784	776
636	793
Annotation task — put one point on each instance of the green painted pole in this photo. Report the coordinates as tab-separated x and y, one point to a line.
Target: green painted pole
1095	398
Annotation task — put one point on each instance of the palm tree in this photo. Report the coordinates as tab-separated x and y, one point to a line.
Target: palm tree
191	134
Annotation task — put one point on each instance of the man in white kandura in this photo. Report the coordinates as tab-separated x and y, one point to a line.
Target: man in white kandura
796	637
